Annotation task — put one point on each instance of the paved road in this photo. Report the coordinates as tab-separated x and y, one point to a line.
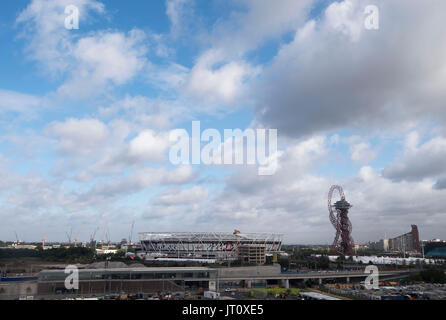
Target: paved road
313	275
327	294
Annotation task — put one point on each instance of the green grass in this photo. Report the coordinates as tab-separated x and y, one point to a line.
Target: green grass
280	290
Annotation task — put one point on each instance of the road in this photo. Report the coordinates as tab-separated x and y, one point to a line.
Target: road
314	275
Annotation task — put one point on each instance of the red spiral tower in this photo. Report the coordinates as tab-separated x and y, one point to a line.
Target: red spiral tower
343	242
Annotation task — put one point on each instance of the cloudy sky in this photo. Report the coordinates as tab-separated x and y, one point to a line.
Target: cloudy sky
85	116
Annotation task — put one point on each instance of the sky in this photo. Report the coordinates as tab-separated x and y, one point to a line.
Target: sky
85	116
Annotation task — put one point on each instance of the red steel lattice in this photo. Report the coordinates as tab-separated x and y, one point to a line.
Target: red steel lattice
343	242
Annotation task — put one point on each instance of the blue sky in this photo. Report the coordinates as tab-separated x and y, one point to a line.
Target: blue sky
85	116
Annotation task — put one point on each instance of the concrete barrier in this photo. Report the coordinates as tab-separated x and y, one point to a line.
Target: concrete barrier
261	271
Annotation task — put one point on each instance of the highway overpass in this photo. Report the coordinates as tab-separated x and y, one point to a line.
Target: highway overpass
228	275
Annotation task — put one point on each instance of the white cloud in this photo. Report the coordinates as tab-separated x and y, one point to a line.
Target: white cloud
361	152
142	112
220	74
168	77
418	163
185	196
79	136
104	59
89	63
29	144
336	74
18	102
16	107
178	11
149	146
222	84
412	141
137	181
257	22
48	40
344	17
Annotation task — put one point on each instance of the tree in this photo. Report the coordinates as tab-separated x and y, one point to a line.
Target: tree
433	276
323	262
284	264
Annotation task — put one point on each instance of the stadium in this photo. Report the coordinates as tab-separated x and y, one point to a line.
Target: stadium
219	246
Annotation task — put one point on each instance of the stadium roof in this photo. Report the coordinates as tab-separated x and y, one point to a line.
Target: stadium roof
219	236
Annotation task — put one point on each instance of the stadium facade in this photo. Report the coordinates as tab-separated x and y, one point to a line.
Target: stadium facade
221	246
435	248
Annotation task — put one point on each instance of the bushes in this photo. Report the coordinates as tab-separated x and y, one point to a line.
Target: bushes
56	254
430	275
433	276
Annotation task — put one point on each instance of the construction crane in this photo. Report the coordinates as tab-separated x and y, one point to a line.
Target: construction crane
131	233
43	239
107	236
69	235
17	237
92	236
102	239
75	238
